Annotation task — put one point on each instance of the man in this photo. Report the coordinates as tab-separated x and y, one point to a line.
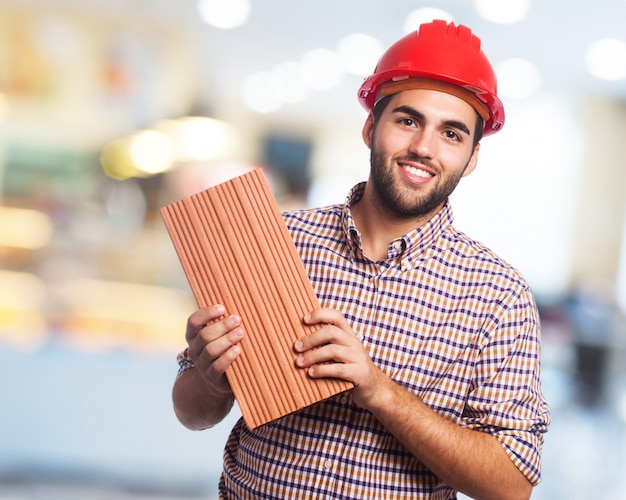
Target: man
438	335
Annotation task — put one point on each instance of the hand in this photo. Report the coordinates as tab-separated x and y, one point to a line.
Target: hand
334	351
214	344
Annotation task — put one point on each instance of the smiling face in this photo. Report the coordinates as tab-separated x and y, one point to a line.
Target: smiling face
421	146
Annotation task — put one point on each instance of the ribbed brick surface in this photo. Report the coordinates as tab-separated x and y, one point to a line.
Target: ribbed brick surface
235	250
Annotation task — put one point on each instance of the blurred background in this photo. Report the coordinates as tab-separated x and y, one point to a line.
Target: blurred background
111	109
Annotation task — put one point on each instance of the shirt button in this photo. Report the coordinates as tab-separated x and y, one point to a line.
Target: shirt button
328	464
343	400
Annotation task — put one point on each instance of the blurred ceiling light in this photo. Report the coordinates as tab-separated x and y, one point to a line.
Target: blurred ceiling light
152	152
291	82
294	88
224	14
424	15
115	160
518	78
24	228
262	92
322	69
359	53
503	12
606	59
201	138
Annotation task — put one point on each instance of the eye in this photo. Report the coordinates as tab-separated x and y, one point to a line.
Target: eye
407	122
452	135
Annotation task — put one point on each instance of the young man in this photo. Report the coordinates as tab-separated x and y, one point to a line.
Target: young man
438	335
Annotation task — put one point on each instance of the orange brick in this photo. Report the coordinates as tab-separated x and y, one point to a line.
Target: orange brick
236	250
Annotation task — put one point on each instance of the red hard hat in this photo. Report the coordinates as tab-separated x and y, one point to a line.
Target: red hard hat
443	52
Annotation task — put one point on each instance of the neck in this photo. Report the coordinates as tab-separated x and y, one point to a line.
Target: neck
378	227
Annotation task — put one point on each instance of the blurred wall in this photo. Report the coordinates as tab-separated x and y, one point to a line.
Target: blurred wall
601	198
93	301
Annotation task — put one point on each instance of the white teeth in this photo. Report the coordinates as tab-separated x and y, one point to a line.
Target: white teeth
416	171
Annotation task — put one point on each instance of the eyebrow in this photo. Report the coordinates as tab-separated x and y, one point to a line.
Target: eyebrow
419	116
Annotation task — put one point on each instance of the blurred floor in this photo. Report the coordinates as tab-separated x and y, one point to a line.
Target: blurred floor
52	491
98	425
76	425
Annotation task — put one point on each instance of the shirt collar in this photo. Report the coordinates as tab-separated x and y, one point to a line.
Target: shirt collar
353	236
413	247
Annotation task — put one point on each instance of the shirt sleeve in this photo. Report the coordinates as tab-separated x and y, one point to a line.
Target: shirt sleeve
507	400
184	362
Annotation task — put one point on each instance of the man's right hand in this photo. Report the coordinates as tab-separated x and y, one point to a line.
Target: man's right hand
214	344
202	396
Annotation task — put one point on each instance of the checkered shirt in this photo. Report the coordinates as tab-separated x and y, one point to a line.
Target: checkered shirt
442	316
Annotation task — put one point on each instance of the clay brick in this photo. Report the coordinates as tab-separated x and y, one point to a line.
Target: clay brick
236	250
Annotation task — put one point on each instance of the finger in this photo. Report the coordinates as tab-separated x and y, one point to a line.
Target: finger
219	366
314	340
216	329
216	356
334	370
328	334
216	337
202	317
328	316
329	353
220	344
206	314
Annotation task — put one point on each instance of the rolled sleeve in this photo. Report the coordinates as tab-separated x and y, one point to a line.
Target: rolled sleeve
507	401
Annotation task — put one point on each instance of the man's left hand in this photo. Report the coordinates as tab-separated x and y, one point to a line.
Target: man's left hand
335	351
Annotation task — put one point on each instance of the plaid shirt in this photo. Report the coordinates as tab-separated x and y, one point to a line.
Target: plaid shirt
442	316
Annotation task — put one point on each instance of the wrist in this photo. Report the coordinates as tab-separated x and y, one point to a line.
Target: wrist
184	362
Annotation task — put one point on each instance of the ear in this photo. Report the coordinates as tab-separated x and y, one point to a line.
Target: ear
473	161
368	128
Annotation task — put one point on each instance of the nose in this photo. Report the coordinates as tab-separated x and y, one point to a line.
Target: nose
423	143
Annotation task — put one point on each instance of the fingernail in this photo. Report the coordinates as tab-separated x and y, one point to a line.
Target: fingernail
307	318
300	360
299	345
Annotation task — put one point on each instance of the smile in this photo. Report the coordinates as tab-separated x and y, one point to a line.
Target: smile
418	172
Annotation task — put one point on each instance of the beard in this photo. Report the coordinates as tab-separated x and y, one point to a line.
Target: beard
398	203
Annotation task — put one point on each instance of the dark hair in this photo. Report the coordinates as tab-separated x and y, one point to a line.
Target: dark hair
381	105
